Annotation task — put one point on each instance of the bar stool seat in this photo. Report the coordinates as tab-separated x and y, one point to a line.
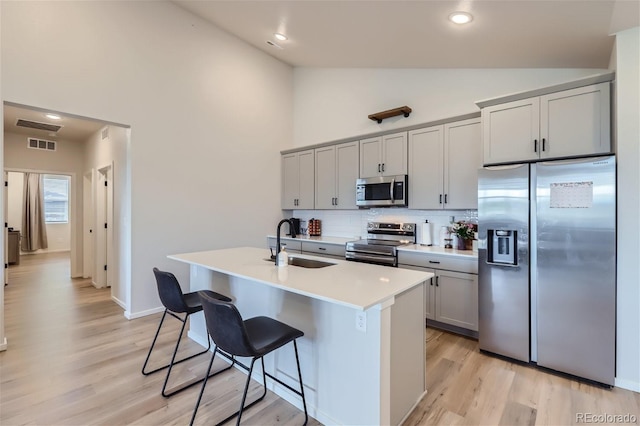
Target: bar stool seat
254	338
176	302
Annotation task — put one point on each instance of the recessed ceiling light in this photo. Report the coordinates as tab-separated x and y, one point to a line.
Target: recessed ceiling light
53	116
280	37
460	17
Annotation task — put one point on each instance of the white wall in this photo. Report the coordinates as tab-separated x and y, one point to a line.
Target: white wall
58	234
331	104
113	151
208	115
628	147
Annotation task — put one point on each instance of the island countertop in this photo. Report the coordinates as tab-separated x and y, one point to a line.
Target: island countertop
351	284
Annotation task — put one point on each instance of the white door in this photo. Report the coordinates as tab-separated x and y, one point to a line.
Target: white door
87	224
103	229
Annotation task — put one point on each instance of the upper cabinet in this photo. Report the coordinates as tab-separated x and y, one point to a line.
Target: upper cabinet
443	165
384	155
336	173
567	123
298	180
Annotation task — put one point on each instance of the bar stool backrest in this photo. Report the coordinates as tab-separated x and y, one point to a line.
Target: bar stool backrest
226	327
169	291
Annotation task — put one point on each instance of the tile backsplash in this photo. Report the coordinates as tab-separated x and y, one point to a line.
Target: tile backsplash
353	223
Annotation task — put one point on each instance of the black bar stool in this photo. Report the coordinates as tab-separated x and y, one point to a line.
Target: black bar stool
255	338
175	302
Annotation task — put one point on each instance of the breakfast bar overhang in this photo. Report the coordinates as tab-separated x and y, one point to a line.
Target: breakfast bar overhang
363	352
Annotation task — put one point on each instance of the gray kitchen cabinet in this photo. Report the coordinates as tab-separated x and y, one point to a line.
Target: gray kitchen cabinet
336	171
567	123
384	155
443	165
318	248
451	297
291	245
298	180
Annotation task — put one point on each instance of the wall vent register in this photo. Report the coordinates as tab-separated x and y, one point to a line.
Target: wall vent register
38	125
46	145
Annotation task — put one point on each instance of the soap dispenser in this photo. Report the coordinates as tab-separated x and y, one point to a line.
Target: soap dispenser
283	258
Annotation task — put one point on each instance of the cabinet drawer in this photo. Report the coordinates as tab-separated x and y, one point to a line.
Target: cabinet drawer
323	249
448	263
292	246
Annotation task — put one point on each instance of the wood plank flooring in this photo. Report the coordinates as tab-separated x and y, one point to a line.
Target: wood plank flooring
73	359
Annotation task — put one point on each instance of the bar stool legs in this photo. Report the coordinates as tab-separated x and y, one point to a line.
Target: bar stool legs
249	369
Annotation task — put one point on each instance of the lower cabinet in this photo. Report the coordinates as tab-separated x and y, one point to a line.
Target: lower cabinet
451	299
454	299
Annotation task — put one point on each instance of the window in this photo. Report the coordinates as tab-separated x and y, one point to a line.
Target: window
56	198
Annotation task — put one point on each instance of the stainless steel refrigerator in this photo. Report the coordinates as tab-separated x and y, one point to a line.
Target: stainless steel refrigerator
547	264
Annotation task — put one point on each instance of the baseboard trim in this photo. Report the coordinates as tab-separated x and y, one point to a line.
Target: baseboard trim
129	315
119	302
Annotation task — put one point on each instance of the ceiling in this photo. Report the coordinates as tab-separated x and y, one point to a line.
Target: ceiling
75	129
417	33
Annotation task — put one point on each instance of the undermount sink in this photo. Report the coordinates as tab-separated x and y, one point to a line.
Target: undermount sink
306	263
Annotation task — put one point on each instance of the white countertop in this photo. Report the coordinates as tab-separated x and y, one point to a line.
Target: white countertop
463	254
352	284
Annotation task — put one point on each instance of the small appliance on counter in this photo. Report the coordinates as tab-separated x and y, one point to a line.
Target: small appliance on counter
295	224
315	228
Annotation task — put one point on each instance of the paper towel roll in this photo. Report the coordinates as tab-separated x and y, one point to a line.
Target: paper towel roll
426	234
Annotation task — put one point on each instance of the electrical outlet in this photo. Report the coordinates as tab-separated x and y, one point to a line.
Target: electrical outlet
361	321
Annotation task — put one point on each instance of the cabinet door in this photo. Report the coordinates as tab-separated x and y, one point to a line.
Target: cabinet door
511	131
430	298
394	154
462	158
325	177
457	299
347	173
426	152
290	181
306	172
370	157
575	122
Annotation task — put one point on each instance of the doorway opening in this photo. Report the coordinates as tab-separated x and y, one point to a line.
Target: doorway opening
92	155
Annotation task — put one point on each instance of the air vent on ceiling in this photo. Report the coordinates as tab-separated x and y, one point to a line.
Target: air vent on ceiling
34	143
105	133
37	125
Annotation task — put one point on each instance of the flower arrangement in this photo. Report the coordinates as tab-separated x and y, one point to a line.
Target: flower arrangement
464	230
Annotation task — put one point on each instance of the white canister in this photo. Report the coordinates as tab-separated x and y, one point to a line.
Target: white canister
444	233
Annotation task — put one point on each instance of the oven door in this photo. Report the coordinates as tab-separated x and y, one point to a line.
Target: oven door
382	191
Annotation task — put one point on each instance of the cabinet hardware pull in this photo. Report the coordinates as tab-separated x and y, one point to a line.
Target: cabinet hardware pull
445	198
379	168
437	282
434	261
336	201
535	145
382	167
322	248
543	143
440	198
431	281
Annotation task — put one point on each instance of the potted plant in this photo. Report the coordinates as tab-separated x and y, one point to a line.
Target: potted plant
465	231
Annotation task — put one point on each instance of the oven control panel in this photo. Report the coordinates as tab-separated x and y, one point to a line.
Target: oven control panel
387	226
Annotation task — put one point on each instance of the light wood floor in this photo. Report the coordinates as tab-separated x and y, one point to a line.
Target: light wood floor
73	359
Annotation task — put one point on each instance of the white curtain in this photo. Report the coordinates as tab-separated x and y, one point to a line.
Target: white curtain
34	230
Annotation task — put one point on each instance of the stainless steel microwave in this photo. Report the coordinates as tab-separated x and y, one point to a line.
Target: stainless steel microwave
382	191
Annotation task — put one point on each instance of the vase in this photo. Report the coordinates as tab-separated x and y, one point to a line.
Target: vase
461	243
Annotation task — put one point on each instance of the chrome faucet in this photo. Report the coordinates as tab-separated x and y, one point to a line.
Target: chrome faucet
293	235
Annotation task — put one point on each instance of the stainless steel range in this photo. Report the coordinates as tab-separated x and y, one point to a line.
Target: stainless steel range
382	241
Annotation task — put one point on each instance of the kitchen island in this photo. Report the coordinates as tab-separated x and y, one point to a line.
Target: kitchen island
363	352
